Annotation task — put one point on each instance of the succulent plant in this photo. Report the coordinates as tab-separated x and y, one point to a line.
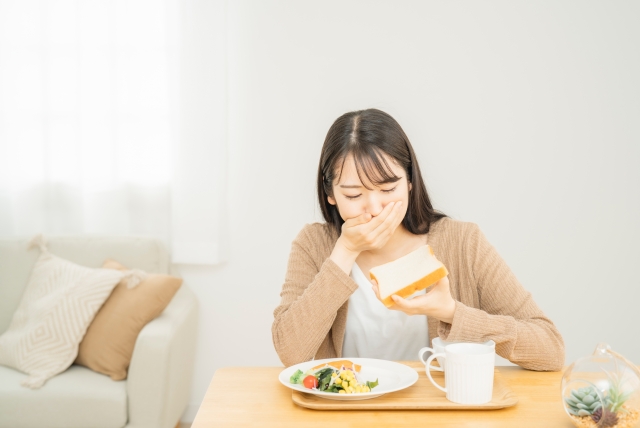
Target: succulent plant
583	401
615	398
604	419
602	390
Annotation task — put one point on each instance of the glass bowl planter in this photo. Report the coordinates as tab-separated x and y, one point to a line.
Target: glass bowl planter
602	390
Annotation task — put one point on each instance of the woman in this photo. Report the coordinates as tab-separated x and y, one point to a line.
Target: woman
377	209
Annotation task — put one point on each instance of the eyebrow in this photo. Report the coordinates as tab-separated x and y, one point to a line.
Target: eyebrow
357	186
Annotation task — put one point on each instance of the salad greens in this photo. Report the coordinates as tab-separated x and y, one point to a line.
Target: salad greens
297	377
331	379
324	378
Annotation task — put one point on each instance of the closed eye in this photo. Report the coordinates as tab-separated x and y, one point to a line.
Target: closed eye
383	191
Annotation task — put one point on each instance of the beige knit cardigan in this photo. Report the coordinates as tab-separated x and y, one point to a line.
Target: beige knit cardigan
490	302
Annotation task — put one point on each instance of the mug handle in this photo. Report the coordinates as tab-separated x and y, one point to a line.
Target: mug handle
421	356
428	364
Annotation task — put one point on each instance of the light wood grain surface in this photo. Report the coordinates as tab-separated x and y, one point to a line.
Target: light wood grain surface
421	395
252	396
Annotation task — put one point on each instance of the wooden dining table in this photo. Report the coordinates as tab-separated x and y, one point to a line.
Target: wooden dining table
253	396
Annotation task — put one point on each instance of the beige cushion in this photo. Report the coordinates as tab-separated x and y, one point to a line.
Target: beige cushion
60	300
108	345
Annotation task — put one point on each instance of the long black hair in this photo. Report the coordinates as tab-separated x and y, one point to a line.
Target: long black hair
366	135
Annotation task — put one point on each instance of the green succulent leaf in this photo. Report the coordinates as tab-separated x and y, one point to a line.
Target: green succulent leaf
615	396
578	395
571	401
583	401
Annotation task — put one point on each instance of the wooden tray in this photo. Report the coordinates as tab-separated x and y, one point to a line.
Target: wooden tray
421	395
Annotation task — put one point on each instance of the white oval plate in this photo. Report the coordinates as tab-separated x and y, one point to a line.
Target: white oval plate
391	377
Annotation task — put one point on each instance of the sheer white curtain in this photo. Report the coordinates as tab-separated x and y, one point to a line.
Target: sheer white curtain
90	122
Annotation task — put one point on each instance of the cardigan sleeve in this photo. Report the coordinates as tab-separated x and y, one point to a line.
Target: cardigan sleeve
507	315
311	296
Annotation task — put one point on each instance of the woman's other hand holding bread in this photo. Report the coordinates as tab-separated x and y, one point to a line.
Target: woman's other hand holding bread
437	302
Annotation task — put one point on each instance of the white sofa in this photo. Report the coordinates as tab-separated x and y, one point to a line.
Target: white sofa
156	391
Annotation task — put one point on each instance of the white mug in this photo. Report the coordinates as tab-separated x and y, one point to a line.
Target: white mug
469	372
438	347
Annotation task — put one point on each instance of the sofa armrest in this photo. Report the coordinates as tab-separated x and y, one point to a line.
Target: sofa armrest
159	379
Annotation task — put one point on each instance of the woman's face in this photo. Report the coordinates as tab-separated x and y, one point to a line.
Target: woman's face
353	198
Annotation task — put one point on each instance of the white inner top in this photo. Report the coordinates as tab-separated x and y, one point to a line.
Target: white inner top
373	331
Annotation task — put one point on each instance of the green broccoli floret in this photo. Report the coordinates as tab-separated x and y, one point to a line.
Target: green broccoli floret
297	377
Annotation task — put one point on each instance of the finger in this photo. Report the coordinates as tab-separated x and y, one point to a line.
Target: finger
395	308
379	225
361	219
444	282
399	215
396	216
377	220
376	291
391	222
403	305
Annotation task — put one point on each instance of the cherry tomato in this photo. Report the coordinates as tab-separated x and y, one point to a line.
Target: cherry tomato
310	382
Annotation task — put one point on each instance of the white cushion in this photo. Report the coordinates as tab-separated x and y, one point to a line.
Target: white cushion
58	305
91	251
78	397
17	264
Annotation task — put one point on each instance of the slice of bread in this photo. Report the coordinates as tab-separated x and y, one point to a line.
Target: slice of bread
338	365
416	271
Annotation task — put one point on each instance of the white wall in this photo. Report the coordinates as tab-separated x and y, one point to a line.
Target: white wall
524	116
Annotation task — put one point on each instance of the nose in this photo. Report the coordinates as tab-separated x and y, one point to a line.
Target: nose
374	205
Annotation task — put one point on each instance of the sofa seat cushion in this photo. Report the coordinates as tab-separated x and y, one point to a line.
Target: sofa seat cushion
77	397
